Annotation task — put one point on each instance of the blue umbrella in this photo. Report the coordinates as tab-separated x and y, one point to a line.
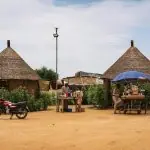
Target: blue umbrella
131	75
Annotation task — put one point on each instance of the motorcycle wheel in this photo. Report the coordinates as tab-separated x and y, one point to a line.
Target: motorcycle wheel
23	113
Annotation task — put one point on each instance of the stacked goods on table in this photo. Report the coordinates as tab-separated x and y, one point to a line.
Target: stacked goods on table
135	95
135	90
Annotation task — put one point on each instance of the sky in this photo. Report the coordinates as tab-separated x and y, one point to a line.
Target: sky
93	34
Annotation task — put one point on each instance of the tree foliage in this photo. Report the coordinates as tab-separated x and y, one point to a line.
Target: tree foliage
46	74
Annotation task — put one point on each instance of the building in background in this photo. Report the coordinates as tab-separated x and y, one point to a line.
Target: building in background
84	79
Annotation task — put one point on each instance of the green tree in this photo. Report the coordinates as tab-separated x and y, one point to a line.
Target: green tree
46	74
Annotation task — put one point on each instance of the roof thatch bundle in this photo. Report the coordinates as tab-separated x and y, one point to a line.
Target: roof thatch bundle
12	66
132	59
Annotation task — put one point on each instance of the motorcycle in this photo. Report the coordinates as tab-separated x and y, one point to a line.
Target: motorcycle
20	109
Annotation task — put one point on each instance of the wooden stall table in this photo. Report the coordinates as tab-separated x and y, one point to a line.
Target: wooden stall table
134	103
63	101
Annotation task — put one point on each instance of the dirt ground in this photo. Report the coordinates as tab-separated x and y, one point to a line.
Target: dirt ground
90	130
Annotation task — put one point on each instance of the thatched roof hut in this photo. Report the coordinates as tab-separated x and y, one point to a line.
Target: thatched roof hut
132	59
15	72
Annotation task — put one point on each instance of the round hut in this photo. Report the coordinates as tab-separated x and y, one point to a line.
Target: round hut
15	72
132	59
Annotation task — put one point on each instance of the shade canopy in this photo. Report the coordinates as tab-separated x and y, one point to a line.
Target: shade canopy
131	75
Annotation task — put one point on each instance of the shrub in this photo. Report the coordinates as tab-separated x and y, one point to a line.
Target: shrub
38	105
95	95
4	94
46	100
19	95
34	103
146	87
53	98
31	104
85	98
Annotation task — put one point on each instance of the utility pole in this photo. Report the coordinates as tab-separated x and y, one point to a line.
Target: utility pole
56	36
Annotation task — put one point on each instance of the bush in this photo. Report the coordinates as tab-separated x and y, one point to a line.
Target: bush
38	105
85	98
146	88
4	94
47	99
95	95
19	95
53	98
34	103
42	103
31	104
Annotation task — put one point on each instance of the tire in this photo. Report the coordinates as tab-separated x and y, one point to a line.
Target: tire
22	115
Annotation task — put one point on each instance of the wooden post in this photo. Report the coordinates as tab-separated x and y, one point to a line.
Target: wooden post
106	92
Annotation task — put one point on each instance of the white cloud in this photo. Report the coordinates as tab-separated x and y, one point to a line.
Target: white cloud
91	38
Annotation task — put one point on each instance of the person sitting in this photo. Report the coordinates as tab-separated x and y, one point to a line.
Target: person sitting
116	97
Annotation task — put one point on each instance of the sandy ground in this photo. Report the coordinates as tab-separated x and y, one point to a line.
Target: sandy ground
91	130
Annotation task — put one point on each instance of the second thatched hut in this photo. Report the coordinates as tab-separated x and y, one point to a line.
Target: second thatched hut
132	59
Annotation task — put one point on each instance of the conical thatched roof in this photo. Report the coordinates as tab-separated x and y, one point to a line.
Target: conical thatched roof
12	66
132	59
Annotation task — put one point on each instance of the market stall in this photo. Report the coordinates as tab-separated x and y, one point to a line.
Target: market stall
134	100
63	104
134	103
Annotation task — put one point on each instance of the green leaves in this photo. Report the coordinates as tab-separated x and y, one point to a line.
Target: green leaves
146	87
35	104
95	95
4	94
46	74
19	94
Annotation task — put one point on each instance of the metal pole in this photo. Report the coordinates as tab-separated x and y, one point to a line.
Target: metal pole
56	36
56	57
